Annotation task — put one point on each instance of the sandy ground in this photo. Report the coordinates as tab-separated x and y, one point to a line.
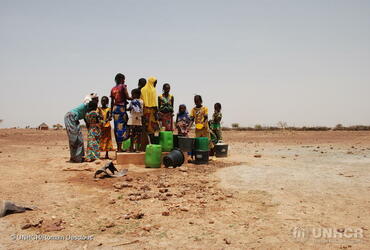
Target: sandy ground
299	183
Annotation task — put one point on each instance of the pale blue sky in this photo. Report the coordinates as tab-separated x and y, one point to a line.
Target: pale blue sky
303	62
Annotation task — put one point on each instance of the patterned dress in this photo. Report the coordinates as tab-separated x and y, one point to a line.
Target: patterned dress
93	136
216	126
201	125
119	112
106	130
76	143
166	112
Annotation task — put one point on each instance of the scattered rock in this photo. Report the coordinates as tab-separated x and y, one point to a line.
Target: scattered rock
163	190
257	156
228	242
52	225
30	224
120	185
145	188
146	196
110	225
129	179
112	202
191	223
211	222
147	228
183	169
184	209
166	213
163	185
137	216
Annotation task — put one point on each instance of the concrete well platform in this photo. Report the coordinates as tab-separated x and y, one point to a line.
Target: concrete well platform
124	158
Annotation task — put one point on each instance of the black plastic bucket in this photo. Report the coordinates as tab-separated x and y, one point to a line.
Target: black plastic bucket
221	150
175	141
174	159
201	157
186	144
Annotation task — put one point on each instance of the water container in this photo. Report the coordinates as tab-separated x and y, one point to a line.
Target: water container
221	149
175	141
153	155
186	144
126	145
201	156
166	140
175	159
155	140
202	143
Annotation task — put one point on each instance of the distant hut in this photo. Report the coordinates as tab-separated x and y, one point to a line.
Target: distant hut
43	126
58	126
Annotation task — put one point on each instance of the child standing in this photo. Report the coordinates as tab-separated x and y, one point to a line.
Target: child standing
165	103
93	132
105	114
216	122
135	121
199	115
182	121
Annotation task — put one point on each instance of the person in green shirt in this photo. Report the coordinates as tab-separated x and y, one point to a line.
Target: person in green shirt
72	124
216	123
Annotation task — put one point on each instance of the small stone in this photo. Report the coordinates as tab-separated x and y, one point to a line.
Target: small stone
129	179
191	223
211	222
145	188
147	228
199	196
184	209
100	244
228	242
257	156
110	225
166	213
26	226
146	196
137	216
229	195
112	202
163	190
183	169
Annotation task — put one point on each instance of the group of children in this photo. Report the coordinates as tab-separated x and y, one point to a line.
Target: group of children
137	118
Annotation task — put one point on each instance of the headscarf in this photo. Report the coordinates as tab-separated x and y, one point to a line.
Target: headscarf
149	93
89	98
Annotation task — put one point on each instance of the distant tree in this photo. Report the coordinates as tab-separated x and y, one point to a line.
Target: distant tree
282	125
258	127
235	125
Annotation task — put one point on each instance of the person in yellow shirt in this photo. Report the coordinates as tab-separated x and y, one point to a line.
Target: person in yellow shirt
150	117
105	113
199	116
